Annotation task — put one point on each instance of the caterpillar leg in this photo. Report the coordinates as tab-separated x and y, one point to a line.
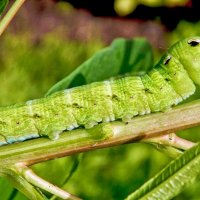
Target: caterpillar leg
54	135
90	124
93	122
127	118
52	132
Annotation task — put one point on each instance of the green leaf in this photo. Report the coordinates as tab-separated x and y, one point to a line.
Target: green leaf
173	179
121	57
3	4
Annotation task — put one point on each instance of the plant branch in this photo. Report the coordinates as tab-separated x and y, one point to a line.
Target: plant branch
170	139
35	180
102	135
170	144
10	14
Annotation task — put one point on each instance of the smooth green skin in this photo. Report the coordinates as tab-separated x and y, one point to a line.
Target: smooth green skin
171	81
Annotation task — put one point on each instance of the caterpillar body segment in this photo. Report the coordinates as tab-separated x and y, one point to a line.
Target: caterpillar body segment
171	81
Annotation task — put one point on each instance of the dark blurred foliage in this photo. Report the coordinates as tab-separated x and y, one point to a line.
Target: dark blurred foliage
96	7
169	16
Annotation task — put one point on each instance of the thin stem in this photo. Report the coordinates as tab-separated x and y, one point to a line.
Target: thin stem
10	14
169	144
171	139
181	143
76	159
32	178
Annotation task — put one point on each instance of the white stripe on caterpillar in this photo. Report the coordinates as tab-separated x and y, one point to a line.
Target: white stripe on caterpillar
109	90
29	107
68	98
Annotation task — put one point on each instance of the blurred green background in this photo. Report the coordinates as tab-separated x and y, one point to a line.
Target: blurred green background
46	41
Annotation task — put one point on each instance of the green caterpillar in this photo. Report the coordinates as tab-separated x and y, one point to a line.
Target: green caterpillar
171	81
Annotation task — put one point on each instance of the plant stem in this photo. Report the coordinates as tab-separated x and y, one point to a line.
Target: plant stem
101	136
35	180
171	139
170	144
10	14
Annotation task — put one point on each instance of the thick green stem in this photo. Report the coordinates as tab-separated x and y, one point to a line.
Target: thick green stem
102	135
10	14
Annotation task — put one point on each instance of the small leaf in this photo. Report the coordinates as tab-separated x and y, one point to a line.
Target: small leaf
3	4
123	56
173	179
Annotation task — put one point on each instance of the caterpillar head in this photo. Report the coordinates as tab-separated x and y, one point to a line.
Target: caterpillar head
187	51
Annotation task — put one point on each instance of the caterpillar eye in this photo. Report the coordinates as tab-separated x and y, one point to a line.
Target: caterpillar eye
193	42
168	58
